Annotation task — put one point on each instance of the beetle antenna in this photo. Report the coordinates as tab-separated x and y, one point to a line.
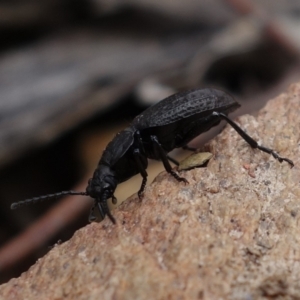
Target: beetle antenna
45	197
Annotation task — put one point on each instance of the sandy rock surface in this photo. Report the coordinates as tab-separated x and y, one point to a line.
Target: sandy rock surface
233	232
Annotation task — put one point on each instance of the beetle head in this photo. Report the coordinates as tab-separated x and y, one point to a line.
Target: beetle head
103	183
101	187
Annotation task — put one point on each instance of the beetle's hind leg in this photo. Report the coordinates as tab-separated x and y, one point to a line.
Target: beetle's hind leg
251	141
164	157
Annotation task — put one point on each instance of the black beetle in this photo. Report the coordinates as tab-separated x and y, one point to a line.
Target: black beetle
169	124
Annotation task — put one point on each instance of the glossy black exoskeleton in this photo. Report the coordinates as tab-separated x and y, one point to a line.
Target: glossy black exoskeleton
169	124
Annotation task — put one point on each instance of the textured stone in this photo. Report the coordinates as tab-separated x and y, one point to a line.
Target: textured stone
231	233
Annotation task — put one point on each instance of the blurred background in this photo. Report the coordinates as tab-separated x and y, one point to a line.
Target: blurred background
75	72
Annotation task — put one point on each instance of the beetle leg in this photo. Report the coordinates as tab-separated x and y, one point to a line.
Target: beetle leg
174	161
143	172
142	188
251	141
164	158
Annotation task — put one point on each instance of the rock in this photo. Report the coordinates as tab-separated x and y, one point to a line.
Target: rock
231	233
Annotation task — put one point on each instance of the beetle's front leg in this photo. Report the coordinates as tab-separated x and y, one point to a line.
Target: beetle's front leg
164	158
138	160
